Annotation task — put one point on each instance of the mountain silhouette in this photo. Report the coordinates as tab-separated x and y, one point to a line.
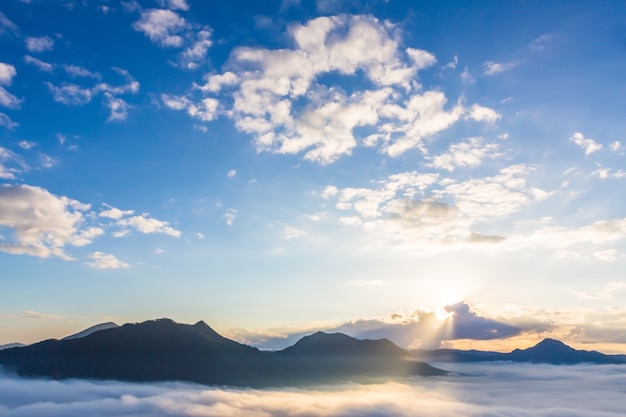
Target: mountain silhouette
162	350
92	329
548	351
11	345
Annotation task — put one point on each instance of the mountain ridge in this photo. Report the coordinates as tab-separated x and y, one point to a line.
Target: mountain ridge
161	350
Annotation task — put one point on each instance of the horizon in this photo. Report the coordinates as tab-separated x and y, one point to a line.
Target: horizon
442	174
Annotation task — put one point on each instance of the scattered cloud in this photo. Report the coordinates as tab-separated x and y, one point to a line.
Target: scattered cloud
70	94
30	314
470	153
231	173
541	43
161	26
79	72
101	260
589	145
6	25
42	223
148	225
7	122
115	213
7	72
279	99
229	216
118	108
291	232
482	114
615	146
37	45
493	68
607	173
41	65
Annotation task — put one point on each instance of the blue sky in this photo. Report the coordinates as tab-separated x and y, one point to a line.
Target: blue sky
375	167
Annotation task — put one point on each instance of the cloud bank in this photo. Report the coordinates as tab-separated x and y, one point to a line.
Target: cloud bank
487	390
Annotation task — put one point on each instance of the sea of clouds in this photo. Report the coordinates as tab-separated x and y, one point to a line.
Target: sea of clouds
496	389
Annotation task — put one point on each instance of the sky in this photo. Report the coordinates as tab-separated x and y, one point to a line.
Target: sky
520	390
441	173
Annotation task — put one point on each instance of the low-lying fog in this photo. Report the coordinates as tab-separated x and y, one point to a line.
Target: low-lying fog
496	389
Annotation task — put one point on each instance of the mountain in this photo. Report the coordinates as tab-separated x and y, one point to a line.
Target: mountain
162	350
547	351
323	357
92	329
11	345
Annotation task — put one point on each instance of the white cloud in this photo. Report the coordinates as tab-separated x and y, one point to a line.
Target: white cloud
70	94
6	24
44	43
115	213
30	314
483	114
195	54
231	173
9	100
7	72
41	65
178	4
589	145
7	122
214	83
24	144
47	161
42	223
540	43
465	154
77	71
101	260
605	173
200	235
291	232
161	26
148	225
616	146
229	216
478	389
118	108
493	68
267	83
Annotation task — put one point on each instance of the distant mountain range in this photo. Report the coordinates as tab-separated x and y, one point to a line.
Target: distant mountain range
548	351
11	345
162	350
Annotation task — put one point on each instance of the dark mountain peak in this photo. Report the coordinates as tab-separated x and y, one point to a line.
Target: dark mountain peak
92	329
551	344
320	343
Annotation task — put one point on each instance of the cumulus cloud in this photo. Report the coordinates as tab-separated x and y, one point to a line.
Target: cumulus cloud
148	225
589	145
422	210
101	260
42	223
115	213
161	26
231	173
278	98
482	114
291	232
36	45
470	153
7	72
